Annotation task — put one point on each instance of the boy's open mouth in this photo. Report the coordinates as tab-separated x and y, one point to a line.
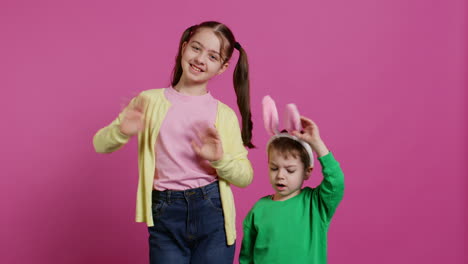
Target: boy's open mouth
280	185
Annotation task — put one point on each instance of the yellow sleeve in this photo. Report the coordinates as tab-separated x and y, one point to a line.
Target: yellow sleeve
234	166
109	139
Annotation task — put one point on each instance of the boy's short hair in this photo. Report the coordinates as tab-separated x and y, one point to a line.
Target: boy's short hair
285	145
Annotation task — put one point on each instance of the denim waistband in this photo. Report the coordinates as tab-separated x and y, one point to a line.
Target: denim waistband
200	192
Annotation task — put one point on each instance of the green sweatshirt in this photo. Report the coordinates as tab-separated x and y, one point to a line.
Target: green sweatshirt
295	230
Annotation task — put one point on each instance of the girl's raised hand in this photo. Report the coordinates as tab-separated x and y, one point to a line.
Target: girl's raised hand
211	148
133	118
311	135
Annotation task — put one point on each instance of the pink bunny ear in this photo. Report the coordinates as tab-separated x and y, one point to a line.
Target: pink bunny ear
292	119
270	115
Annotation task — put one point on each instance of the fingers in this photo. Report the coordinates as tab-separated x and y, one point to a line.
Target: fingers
196	147
310	129
212	132
207	133
124	103
141	126
132	114
299	135
201	135
296	134
140	103
305	122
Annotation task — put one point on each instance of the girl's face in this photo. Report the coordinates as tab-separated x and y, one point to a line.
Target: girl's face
201	57
287	174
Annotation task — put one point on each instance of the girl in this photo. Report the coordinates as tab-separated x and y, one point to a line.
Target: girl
190	149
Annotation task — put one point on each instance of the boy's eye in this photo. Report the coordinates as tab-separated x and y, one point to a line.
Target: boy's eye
273	169
291	171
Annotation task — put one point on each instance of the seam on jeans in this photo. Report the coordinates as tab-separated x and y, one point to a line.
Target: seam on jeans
210	201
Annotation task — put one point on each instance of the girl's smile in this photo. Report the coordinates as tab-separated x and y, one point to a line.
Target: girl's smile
195	69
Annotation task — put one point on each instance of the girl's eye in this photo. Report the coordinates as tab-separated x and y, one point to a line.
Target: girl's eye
213	57
195	48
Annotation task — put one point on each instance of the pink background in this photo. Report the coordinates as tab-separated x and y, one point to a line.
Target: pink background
385	80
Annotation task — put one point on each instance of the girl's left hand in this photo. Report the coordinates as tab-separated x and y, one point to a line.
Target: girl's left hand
211	148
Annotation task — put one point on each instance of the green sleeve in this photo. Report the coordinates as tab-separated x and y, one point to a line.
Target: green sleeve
248	241
331	189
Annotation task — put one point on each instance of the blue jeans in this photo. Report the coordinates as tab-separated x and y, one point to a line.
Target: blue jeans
189	227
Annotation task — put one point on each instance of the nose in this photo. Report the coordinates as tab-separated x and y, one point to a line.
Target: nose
200	58
280	175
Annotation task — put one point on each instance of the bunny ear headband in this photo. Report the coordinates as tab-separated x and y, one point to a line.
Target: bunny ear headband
292	123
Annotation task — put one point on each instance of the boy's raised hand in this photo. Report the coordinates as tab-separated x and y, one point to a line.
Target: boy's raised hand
211	148
133	118
311	135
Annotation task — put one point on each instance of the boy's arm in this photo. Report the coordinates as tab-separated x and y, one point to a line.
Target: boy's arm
248	241
331	189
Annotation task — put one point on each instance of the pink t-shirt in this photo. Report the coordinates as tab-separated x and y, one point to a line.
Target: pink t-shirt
178	166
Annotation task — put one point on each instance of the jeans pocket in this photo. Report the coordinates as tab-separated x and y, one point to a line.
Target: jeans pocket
215	202
158	208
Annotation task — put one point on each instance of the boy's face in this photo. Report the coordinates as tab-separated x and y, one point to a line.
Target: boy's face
287	174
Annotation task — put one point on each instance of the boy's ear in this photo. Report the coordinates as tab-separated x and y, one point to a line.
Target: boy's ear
308	171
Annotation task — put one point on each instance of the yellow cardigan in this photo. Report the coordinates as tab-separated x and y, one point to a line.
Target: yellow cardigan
234	167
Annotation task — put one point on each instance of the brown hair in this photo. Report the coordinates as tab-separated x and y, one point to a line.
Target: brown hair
241	71
290	146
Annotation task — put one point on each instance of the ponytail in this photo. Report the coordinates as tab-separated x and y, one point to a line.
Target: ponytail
242	88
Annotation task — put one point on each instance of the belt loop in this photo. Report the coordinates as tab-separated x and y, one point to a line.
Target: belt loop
168	196
205	196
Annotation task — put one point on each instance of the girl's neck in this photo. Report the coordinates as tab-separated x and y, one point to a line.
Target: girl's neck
193	89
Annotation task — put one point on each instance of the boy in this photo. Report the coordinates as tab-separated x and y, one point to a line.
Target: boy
291	225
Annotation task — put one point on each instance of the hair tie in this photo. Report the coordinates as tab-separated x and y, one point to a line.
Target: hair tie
237	46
